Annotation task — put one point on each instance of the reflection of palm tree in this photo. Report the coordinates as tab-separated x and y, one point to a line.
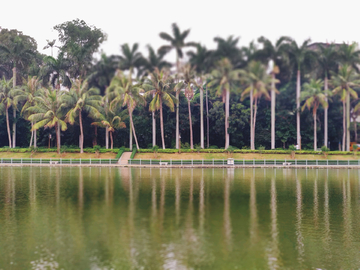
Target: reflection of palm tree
227	219
299	237
253	211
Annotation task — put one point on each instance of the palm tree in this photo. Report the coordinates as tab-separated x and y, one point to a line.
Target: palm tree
300	56
82	99
6	102
122	90
159	86
30	88
327	60
224	77
350	55
154	60
314	96
55	71
258	84
343	83
17	54
111	120
177	42
227	48
48	112
274	55
189	81
130	58
50	44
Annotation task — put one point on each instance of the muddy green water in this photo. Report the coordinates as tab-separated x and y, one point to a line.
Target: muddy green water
121	218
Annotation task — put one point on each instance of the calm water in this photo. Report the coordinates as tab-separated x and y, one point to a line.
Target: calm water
111	218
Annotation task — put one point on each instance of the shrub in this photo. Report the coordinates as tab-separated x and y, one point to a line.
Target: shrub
120	152
133	152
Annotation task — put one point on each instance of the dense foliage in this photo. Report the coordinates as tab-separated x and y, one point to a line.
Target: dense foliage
214	98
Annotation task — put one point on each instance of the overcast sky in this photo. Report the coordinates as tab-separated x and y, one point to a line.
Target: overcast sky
142	21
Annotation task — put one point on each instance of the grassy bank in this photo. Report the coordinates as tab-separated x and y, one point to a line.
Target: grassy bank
56	155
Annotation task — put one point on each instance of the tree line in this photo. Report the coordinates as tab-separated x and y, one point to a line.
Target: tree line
206	98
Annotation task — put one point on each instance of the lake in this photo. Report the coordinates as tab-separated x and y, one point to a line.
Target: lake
141	218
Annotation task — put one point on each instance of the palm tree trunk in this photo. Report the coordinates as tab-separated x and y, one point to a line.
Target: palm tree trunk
35	138
107	137
32	134
177	119
111	139
255	112
153	127
162	125
201	117
190	123
273	96
355	130
227	112
326	112
344	126
252	145
130	137
207	121
298	136
133	129
58	137
8	126
14	110
348	121
315	135
81	134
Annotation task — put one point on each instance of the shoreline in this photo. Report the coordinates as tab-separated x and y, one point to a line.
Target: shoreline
187	166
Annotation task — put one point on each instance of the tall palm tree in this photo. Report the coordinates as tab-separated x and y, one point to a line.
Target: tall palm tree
227	48
80	99
122	90
177	42
130	57
48	112
223	78
343	83
327	57
30	89
350	55
6	102
160	85
274	55
50	44
314	96
201	62
189	81
17	54
258	84
112	120
301	56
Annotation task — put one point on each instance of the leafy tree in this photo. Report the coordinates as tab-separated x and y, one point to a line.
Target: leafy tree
79	42
82	99
55	71
223	78
314	96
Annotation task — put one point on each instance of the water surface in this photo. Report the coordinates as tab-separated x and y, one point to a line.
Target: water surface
121	218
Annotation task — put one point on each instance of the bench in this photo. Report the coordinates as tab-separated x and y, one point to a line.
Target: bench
163	163
287	163
54	162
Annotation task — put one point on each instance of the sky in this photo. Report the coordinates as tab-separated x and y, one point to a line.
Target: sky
141	21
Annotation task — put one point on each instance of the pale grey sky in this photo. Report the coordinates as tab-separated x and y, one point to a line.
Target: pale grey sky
142	21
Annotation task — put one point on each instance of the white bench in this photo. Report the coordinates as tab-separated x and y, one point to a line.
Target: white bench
287	163
163	163
54	162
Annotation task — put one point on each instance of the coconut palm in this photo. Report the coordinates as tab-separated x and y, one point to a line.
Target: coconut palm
160	85
6	102
154	60
274	55
258	84
49	111
350	55
327	60
29	88
18	55
227	48
122	90
112	120
314	96
343	83
130	57
189	81
223	78
301	56
177	42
